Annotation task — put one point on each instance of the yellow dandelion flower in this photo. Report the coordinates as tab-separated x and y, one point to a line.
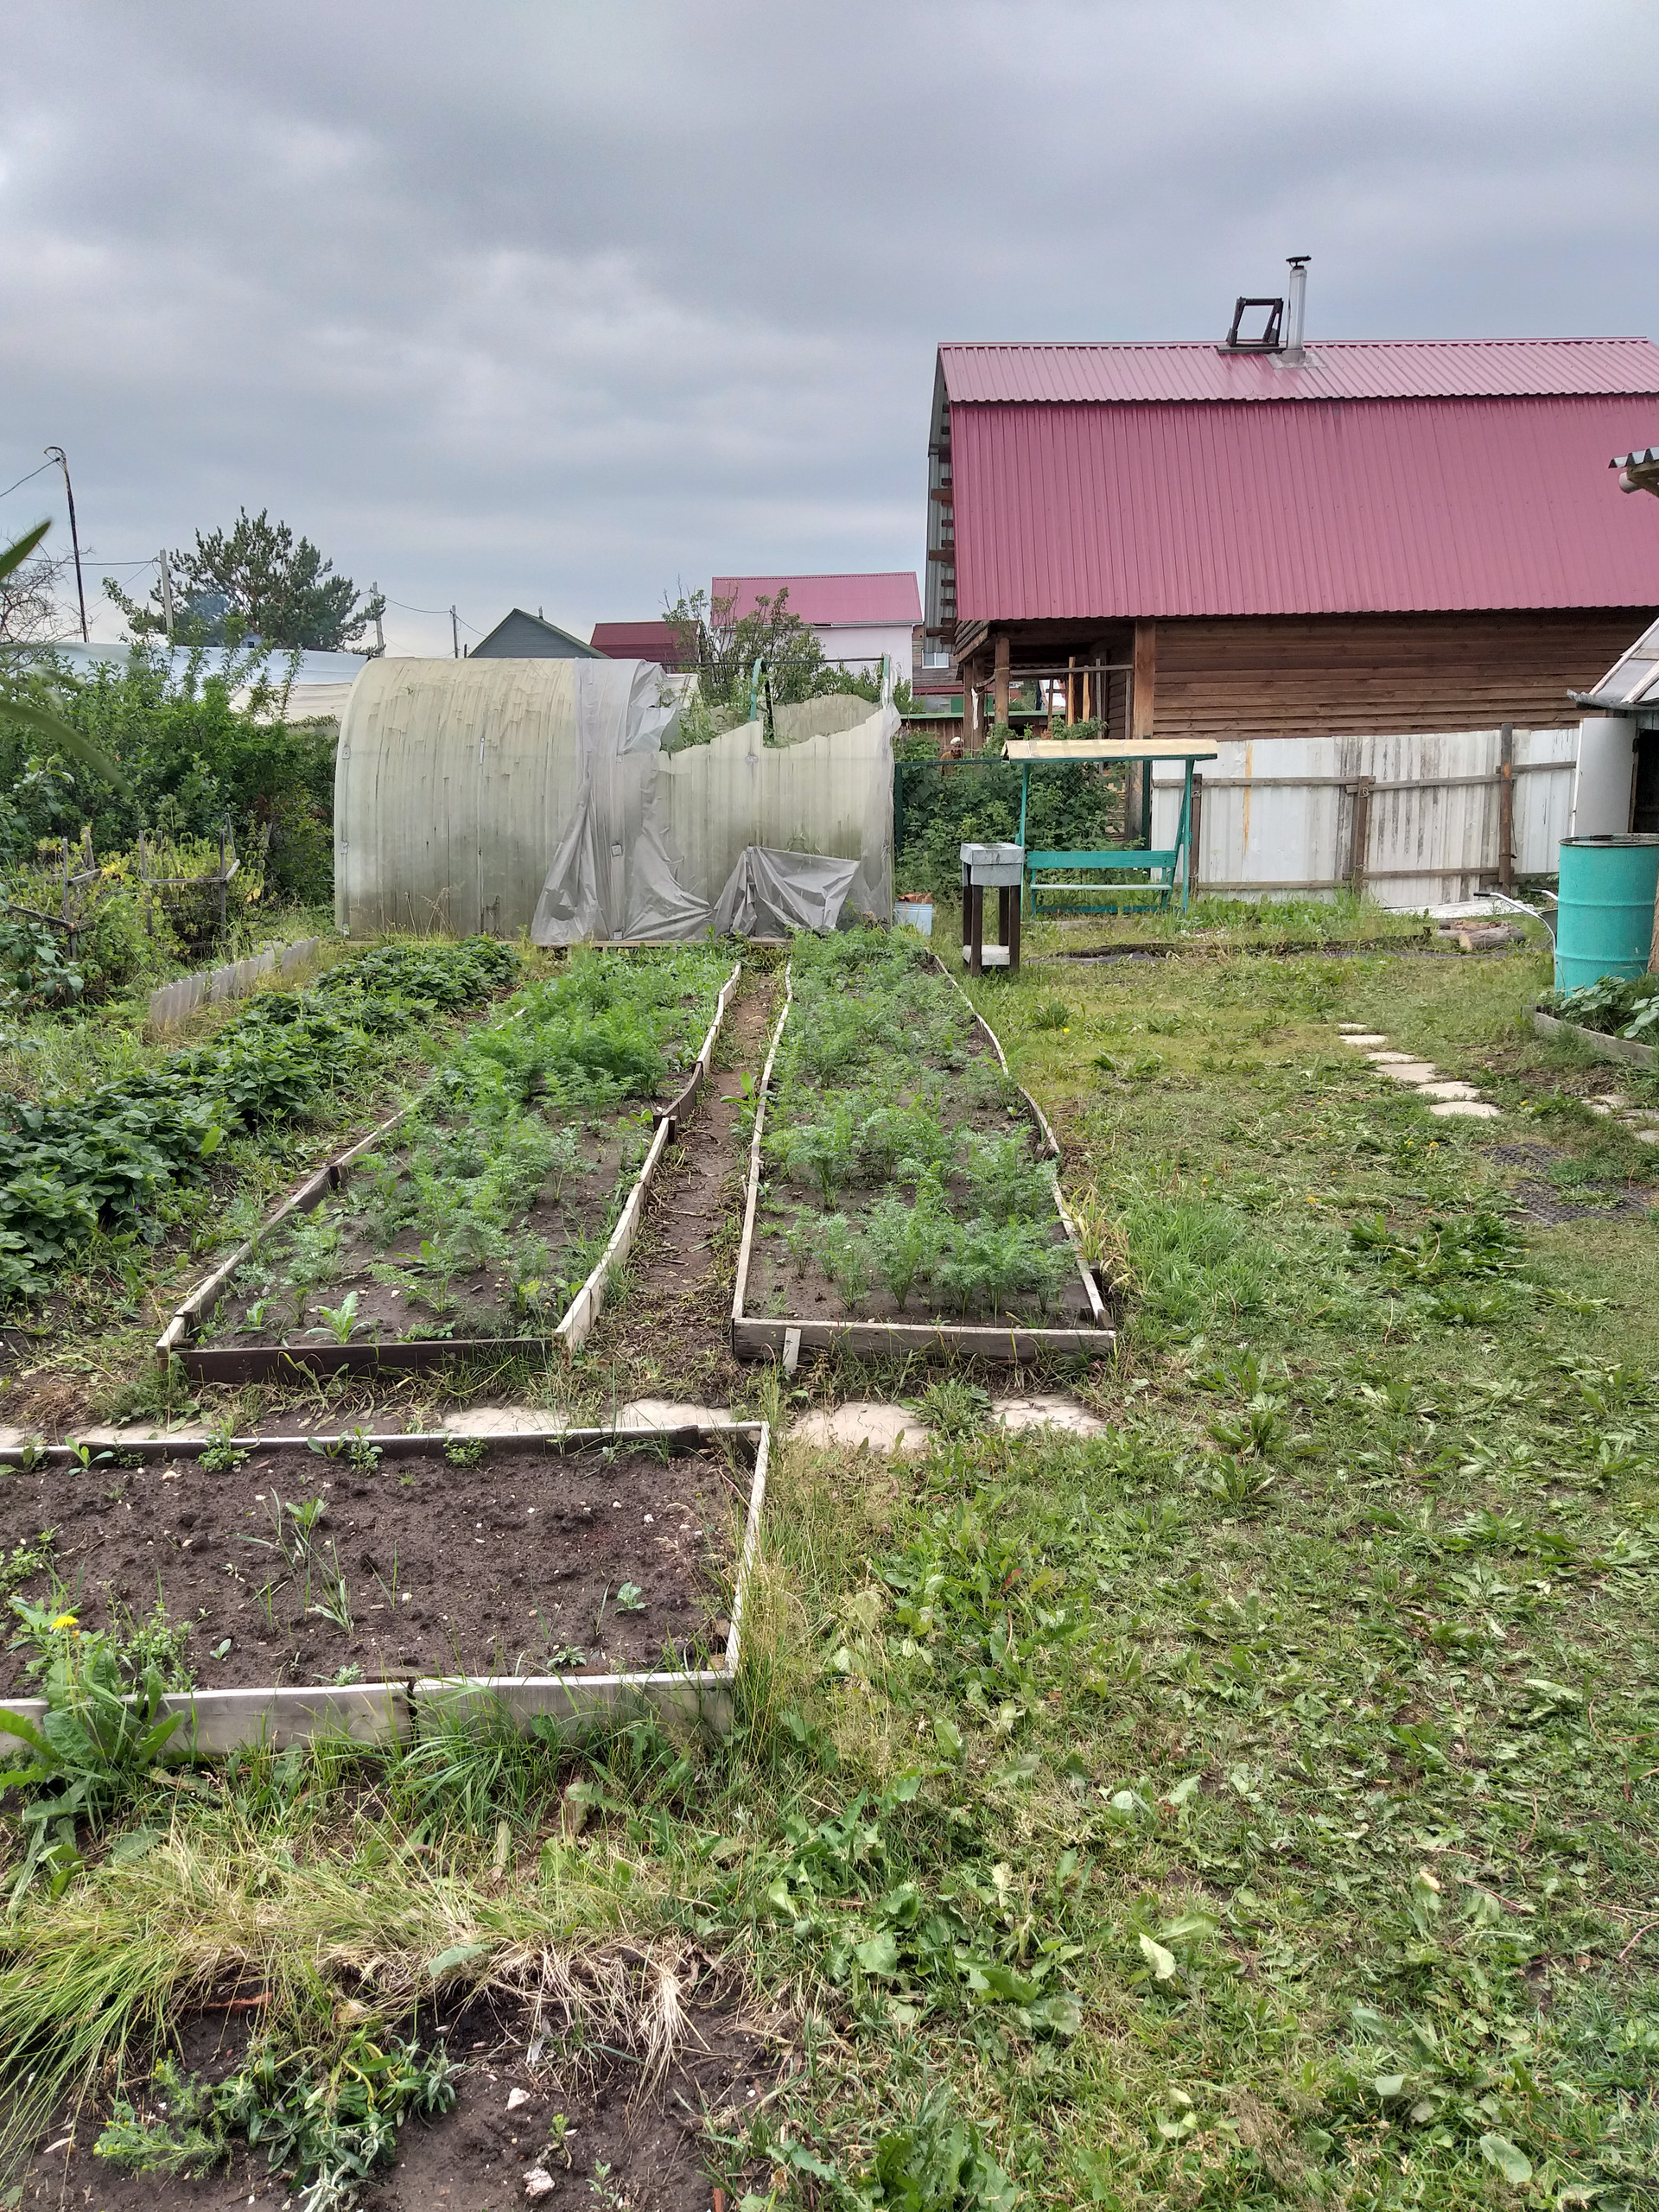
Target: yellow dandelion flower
66	1620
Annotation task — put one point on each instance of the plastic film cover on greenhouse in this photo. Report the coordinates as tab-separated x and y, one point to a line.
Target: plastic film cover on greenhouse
502	795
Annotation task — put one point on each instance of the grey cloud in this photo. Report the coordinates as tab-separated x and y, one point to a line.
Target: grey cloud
565	303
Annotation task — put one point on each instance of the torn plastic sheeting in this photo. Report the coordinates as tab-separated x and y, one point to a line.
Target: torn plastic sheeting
495	795
656	842
769	894
613	874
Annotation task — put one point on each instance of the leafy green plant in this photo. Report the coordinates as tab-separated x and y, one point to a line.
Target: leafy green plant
465	1451
341	1319
330	2127
221	1456
107	1163
630	1598
1615	1006
906	1239
1005	1182
822	1152
846	1259
91	1752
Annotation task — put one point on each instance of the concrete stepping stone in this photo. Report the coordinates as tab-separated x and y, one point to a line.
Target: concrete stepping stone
1353	1028
1646	1136
1447	1089
1361	1037
1473	1110
863	1425
1616	1099
671	1413
1413	1072
1046	1413
504	1421
12	1439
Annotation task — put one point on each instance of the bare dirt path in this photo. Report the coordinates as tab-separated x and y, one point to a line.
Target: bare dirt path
670	1336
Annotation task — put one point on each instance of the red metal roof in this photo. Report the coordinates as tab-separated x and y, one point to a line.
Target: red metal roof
855	601
658	641
1500	368
1384	506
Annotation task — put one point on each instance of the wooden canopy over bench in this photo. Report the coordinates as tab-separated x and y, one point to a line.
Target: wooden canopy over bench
1160	867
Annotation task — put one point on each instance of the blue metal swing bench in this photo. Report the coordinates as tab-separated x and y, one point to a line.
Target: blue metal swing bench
1161	866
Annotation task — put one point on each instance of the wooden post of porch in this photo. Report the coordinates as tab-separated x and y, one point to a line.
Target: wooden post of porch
1143	684
1001	677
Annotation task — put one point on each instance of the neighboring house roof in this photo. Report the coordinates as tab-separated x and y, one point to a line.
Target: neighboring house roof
1631	684
658	641
1161	502
872	601
519	635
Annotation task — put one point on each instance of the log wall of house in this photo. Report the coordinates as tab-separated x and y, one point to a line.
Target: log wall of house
1364	674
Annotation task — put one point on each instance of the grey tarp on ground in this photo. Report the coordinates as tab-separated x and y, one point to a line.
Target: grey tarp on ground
769	894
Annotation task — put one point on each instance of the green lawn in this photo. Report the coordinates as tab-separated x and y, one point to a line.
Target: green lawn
1251	1806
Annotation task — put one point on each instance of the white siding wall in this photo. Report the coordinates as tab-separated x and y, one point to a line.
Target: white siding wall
867	643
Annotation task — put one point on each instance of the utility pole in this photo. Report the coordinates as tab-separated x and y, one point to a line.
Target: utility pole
454	632
379	633
57	454
167	597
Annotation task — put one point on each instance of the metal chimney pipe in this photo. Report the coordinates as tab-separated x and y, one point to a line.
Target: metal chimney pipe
1292	352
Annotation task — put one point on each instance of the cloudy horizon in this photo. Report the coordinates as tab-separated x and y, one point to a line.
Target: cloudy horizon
569	307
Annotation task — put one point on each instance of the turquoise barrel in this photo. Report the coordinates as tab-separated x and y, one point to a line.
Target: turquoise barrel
1606	922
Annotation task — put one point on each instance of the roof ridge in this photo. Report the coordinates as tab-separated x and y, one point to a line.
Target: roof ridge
1215	346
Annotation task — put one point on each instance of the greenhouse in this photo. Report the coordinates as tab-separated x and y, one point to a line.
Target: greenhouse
502	796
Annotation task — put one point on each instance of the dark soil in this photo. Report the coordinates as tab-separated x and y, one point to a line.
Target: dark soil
572	1217
655	2144
510	1567
671	1333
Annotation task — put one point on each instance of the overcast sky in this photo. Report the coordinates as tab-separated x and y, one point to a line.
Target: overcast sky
564	305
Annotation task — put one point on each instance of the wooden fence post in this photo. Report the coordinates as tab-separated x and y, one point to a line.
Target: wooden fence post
1506	806
1361	791
1195	833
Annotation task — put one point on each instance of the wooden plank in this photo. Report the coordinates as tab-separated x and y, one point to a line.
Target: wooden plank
574	1703
217	1721
1144	691
752	1197
1629	1050
1087	752
1010	1345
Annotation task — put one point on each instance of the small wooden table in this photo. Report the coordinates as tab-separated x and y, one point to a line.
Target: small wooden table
1000	869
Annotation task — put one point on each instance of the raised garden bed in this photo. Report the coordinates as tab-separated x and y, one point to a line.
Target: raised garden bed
113	1162
1628	1050
903	1192
368	1587
487	1217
